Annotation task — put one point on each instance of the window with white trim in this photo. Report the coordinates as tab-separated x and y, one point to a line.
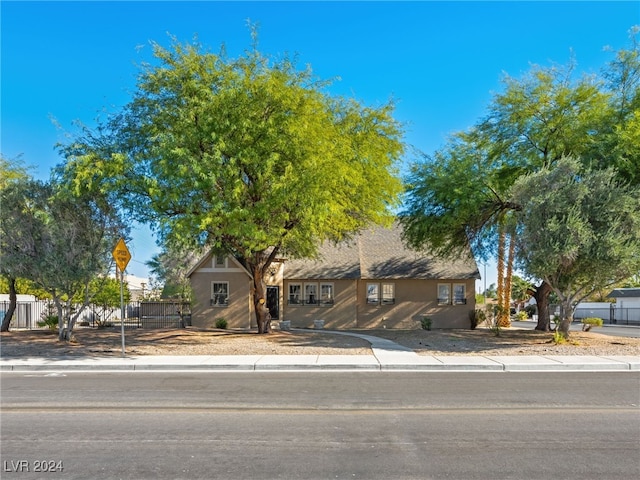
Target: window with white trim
373	293
326	294
295	294
459	294
381	294
444	294
388	294
219	294
219	261
311	293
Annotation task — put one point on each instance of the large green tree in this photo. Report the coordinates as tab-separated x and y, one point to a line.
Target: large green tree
57	240
580	230
249	156
18	225
461	193
75	246
619	144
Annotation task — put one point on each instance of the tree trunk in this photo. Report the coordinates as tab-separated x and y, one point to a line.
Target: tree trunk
506	319
259	291
566	316
501	293
61	332
72	321
13	302
73	318
541	296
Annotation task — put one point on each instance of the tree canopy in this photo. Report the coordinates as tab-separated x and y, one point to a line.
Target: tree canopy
57	240
461	195
579	230
249	156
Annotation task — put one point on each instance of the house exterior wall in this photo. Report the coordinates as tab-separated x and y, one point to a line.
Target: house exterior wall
238	312
452	316
352	306
413	300
341	315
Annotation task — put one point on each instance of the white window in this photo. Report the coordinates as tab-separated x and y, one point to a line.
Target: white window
219	294
373	293
388	293
444	294
310	293
326	294
295	294
219	261
459	294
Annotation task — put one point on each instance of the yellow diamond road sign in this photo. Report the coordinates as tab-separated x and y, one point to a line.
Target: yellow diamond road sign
121	255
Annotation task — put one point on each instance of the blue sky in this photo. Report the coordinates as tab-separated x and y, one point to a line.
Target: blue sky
441	61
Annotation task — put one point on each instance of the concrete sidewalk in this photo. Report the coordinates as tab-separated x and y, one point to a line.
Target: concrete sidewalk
381	360
387	356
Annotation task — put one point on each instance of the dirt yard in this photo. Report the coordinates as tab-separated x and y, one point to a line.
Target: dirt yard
193	341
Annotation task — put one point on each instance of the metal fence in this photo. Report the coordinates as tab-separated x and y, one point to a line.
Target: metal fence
156	314
611	315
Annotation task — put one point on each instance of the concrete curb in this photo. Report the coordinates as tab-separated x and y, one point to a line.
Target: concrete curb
382	360
387	356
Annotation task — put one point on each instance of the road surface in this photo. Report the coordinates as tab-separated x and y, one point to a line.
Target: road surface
373	425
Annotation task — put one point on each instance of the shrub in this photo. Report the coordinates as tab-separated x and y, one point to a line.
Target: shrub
531	310
588	323
559	338
50	321
426	323
522	315
221	323
476	317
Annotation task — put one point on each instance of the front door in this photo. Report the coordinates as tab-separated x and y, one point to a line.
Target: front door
273	302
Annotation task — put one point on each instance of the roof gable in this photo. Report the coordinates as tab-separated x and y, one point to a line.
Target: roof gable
206	263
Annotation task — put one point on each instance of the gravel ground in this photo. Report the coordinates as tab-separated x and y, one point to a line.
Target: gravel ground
193	341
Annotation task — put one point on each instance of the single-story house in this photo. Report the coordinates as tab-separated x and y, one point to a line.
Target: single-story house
625	310
371	281
626	297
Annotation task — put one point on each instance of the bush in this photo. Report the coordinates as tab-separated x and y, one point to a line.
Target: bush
221	323
50	321
531	310
522	315
426	323
559	338
476	317
588	323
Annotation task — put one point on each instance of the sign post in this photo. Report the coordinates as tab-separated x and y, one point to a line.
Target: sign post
122	256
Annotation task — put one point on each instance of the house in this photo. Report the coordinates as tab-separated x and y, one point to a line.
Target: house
371	281
626	297
625	310
627	306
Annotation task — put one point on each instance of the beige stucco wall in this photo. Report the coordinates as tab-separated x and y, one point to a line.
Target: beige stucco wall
414	299
342	315
450	316
237	313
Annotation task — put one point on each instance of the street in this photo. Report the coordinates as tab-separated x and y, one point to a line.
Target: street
375	425
607	329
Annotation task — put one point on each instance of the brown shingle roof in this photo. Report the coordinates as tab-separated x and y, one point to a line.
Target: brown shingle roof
379	253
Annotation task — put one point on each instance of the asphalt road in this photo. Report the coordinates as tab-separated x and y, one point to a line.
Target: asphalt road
375	425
